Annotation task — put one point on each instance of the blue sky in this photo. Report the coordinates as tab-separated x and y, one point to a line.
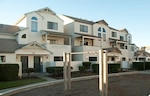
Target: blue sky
134	15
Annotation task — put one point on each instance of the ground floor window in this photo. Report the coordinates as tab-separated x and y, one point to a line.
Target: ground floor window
2	59
92	58
58	58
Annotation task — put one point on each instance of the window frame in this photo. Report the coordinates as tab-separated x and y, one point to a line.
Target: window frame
34	24
58	58
83	28
92	58
114	34
52	25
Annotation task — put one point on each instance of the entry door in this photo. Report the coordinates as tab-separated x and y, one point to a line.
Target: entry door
37	61
24	60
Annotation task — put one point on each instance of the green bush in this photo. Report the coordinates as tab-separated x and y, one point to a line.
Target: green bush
113	68
55	71
95	68
9	72
140	65
87	65
82	68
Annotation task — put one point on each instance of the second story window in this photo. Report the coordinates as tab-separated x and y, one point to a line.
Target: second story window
121	38
52	25
34	24
83	28
114	34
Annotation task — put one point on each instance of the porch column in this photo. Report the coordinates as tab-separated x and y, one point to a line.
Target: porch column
82	40
69	40
46	37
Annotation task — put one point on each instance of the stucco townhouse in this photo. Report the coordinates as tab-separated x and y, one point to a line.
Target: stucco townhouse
39	38
38	43
92	36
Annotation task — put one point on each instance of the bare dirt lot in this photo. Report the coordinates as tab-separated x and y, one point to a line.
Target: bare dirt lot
127	85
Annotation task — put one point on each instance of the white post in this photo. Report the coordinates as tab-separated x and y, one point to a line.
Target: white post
105	73
100	73
65	70
69	72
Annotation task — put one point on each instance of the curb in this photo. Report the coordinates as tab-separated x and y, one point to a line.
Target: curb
48	83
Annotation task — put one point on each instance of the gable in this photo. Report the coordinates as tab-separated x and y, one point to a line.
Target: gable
33	48
46	10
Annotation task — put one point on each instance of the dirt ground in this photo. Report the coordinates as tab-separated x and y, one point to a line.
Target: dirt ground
127	85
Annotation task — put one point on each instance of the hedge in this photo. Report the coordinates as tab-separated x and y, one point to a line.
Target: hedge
87	65
140	66
9	72
54	70
95	68
82	68
113	68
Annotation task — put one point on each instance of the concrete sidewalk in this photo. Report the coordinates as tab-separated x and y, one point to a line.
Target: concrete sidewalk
51	81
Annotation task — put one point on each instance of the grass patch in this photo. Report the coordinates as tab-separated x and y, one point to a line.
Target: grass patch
21	82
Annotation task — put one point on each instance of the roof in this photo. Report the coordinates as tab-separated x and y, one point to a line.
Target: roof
142	53
113	29
114	49
102	21
80	20
9	45
9	29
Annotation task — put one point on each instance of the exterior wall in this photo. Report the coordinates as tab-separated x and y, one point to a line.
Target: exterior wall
77	28
10	57
23	40
23	22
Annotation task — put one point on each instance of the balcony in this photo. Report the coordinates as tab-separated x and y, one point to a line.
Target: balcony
58	49
85	48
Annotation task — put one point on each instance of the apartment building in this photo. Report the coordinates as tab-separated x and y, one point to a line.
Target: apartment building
92	36
39	38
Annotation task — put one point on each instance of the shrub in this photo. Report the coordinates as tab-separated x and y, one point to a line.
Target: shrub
87	65
82	68
95	68
29	70
113	68
55	71
140	65
9	72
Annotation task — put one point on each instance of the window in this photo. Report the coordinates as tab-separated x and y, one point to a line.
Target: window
92	58
104	37
2	59
83	28
104	30
123	59
52	25
99	34
52	41
23	36
122	46
121	38
114	34
34	24
85	43
112	58
58	58
99	29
